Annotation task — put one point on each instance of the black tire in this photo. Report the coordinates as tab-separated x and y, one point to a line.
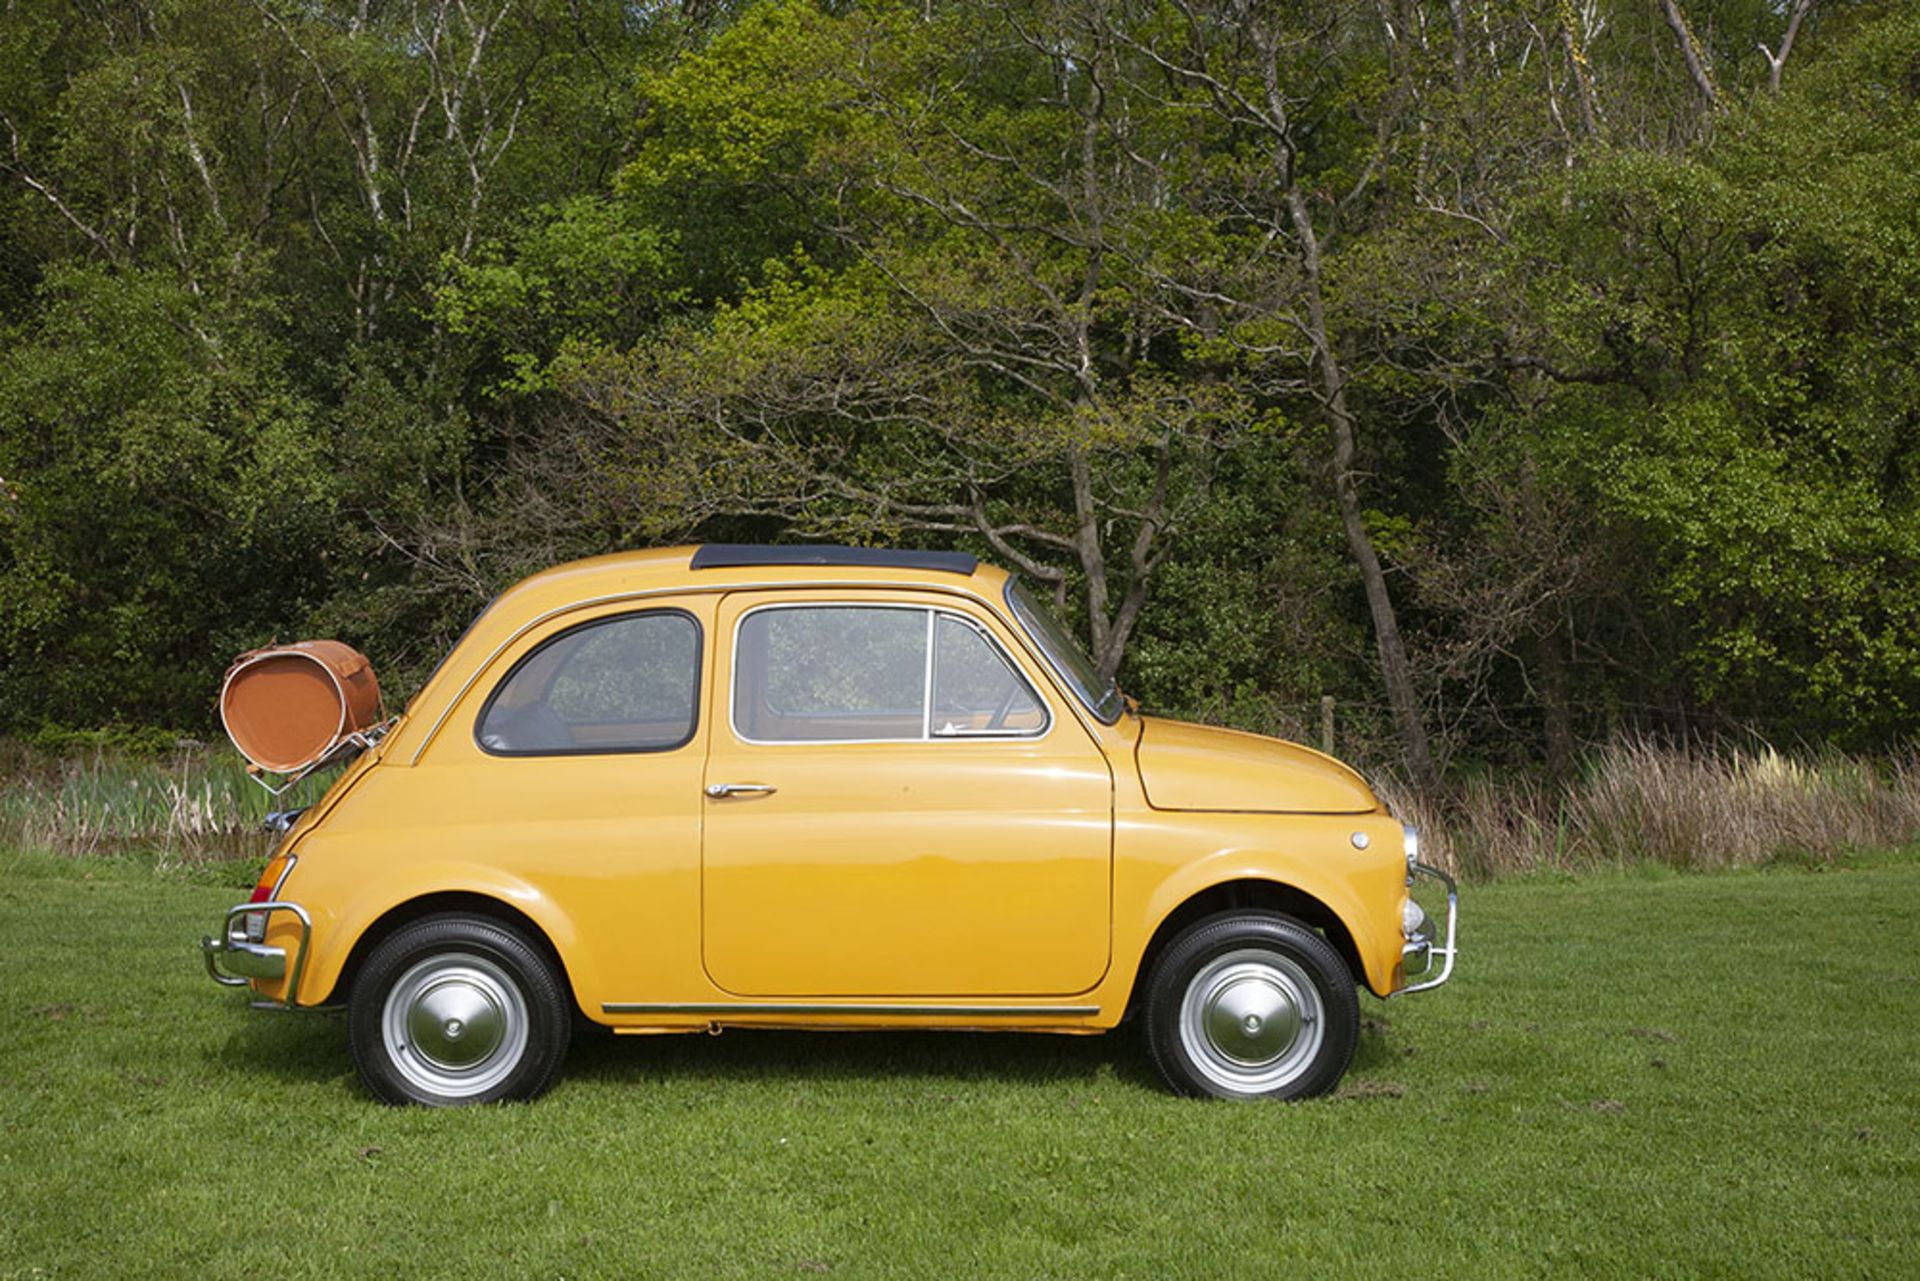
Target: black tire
453	1009
1251	1005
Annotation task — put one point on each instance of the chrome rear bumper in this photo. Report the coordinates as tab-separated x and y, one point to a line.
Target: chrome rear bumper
244	961
1422	944
234	960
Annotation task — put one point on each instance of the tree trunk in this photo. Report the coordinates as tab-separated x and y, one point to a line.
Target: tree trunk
1582	71
1690	52
1396	673
1554	705
1776	62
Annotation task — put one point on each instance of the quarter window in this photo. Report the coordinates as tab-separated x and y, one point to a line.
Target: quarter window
975	689
625	684
874	673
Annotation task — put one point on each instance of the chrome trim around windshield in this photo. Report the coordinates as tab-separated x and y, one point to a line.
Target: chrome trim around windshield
1082	696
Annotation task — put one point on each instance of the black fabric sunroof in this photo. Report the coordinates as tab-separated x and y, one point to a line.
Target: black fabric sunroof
729	555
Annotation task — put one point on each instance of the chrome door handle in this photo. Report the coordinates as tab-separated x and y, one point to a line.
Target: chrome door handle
720	791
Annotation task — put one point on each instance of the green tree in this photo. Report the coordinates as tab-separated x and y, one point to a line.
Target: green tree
228	393
1754	304
165	497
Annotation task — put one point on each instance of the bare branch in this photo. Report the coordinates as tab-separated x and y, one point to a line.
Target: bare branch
19	169
1777	62
199	157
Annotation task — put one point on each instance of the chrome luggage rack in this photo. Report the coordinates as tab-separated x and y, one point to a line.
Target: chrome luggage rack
351	745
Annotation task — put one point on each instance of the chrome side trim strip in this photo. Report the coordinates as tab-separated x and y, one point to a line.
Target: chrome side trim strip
782	1007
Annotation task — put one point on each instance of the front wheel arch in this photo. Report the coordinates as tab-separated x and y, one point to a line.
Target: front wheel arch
1238	896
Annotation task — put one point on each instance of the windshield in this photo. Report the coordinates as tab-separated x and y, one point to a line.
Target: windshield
1098	692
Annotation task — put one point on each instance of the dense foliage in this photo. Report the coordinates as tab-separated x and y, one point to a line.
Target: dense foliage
1515	371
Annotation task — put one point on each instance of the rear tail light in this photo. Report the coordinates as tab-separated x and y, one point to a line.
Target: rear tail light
270	878
255	923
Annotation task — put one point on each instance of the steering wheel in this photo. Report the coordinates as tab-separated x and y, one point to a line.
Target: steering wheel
998	720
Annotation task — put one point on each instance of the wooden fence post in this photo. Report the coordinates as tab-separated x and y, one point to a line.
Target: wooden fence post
1326	724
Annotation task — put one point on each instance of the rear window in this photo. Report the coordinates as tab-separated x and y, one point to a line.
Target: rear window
623	684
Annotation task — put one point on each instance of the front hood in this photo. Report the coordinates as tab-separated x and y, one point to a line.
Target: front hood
1199	767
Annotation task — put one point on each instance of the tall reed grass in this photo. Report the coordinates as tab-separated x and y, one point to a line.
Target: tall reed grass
1635	801
1689	807
189	804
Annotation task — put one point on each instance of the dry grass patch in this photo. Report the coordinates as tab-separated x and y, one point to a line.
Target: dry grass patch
1691	808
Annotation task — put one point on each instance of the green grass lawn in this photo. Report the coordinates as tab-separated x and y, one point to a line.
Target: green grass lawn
1637	1074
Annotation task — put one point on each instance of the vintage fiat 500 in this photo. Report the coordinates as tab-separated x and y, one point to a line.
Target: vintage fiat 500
816	787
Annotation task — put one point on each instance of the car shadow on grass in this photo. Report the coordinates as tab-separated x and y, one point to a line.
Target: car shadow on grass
766	1055
308	1047
762	1056
311	1048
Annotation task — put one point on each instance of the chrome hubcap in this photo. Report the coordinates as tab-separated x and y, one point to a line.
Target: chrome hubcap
1252	1021
455	1025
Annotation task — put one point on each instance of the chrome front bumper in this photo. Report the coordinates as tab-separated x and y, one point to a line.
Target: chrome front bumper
234	960
1422	945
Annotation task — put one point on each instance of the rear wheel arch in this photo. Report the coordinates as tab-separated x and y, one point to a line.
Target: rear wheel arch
464	902
1238	896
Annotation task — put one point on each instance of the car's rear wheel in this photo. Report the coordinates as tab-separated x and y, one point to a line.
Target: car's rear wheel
1251	1005
457	1009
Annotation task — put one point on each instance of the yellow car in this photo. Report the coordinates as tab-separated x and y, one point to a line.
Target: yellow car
731	786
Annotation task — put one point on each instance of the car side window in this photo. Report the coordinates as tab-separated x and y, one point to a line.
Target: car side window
861	673
820	673
623	684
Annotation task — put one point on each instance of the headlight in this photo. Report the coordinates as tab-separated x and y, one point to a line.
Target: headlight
1412	917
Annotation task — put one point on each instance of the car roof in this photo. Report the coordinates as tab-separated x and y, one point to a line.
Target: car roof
732	555
721	565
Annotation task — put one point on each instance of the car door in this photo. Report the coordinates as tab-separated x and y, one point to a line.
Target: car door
897	806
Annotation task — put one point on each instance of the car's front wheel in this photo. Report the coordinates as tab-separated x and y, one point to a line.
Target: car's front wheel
457	1009
1251	1005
